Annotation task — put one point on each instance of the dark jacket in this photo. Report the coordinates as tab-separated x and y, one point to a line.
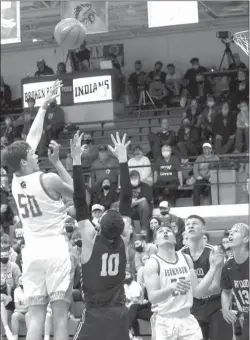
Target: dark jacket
143	190
193	136
224	130
46	72
98	197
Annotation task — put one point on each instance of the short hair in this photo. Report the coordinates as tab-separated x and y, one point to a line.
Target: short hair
14	153
170	65
198	218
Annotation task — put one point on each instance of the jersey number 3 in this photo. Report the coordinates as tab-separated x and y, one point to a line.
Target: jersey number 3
29	205
110	264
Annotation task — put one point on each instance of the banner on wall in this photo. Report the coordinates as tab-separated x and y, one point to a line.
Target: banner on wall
10	22
106	52
38	91
93	14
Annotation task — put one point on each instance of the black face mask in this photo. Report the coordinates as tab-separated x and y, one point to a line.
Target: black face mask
106	187
52	105
139	249
87	141
78	243
164	213
4	260
21	286
69	229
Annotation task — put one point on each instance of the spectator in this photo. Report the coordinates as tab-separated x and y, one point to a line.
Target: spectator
173	81
168	175
206	238
69	226
131	252
142	196
188	140
185	238
90	152
141	249
193	113
6	299
225	244
106	194
142	164
154	222
21	309
242	132
97	212
224	129
157	72
105	166
237	63
24	122
17	238
54	121
239	89
157	91
82	58
137	81
191	77
61	68
201	170
8	130
5	94
207	118
43	69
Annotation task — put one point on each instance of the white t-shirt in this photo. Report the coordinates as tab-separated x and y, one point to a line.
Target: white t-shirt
145	173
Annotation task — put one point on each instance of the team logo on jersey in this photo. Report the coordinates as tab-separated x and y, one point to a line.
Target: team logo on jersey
23	185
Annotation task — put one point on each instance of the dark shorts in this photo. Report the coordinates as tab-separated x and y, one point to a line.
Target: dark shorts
211	320
105	323
245	330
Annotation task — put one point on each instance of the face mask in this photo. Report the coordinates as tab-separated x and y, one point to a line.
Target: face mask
87	141
164	213
78	243
210	104
139	249
21	286
69	229
134	183
4	260
166	154
106	187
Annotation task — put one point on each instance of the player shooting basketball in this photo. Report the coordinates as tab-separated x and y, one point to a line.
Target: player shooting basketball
103	255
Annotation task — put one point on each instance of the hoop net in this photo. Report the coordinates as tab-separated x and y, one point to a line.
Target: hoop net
242	40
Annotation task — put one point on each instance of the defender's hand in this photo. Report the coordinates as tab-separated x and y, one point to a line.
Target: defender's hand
53	152
120	147
76	148
54	92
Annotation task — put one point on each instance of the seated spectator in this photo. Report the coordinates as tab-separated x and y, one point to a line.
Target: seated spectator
137	81
188	140
193	113
224	129
142	195
191	77
141	164
43	69
207	118
17	238
80	58
105	195
185	239
158	91
165	136
226	245
206	238
239	89
202	167
184	103
5	95
105	166
69	227
24	122
54	122
97	212
203	88
157	72
154	222
6	300
8	130
61	68
173	81
21	309
141	249
168	176
242	132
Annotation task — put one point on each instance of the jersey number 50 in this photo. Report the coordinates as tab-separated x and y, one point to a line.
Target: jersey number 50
110	264
29	205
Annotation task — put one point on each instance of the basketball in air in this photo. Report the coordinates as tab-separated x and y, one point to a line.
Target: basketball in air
70	33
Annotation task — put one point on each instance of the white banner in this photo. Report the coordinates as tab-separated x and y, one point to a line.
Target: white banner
92	89
10	22
93	15
38	91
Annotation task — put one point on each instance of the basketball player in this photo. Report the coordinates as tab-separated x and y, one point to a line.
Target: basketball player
206	309
171	284
46	259
103	255
235	277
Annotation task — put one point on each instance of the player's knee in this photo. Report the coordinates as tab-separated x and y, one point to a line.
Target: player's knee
60	309
16	317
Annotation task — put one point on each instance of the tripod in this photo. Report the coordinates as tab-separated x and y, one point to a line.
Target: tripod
142	101
227	53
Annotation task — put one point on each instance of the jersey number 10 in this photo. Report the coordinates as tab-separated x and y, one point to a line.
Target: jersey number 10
29	205
110	264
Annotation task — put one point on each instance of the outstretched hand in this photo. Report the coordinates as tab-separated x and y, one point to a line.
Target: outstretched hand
54	91
120	147
53	152
76	147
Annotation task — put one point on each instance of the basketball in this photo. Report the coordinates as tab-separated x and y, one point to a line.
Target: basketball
70	33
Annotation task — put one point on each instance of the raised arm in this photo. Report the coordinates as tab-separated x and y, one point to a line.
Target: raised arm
36	130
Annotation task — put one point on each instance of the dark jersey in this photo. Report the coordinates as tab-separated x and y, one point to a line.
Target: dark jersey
103	275
236	277
201	267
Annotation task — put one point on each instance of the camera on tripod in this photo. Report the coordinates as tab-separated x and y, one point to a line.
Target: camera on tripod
226	38
224	35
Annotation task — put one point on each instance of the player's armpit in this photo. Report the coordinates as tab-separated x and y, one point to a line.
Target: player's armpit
88	234
54	186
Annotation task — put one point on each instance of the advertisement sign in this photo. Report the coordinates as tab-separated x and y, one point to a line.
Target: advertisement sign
106	52
38	91
93	14
10	22
94	89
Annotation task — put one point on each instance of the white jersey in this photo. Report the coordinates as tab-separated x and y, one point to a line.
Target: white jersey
42	216
170	273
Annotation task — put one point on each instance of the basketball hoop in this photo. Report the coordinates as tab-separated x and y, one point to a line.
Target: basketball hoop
242	40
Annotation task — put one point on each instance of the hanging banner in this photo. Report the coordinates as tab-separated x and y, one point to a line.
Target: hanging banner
10	22
93	15
106	52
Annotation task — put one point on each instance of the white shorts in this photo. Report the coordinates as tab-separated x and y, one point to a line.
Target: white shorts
177	328
47	275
